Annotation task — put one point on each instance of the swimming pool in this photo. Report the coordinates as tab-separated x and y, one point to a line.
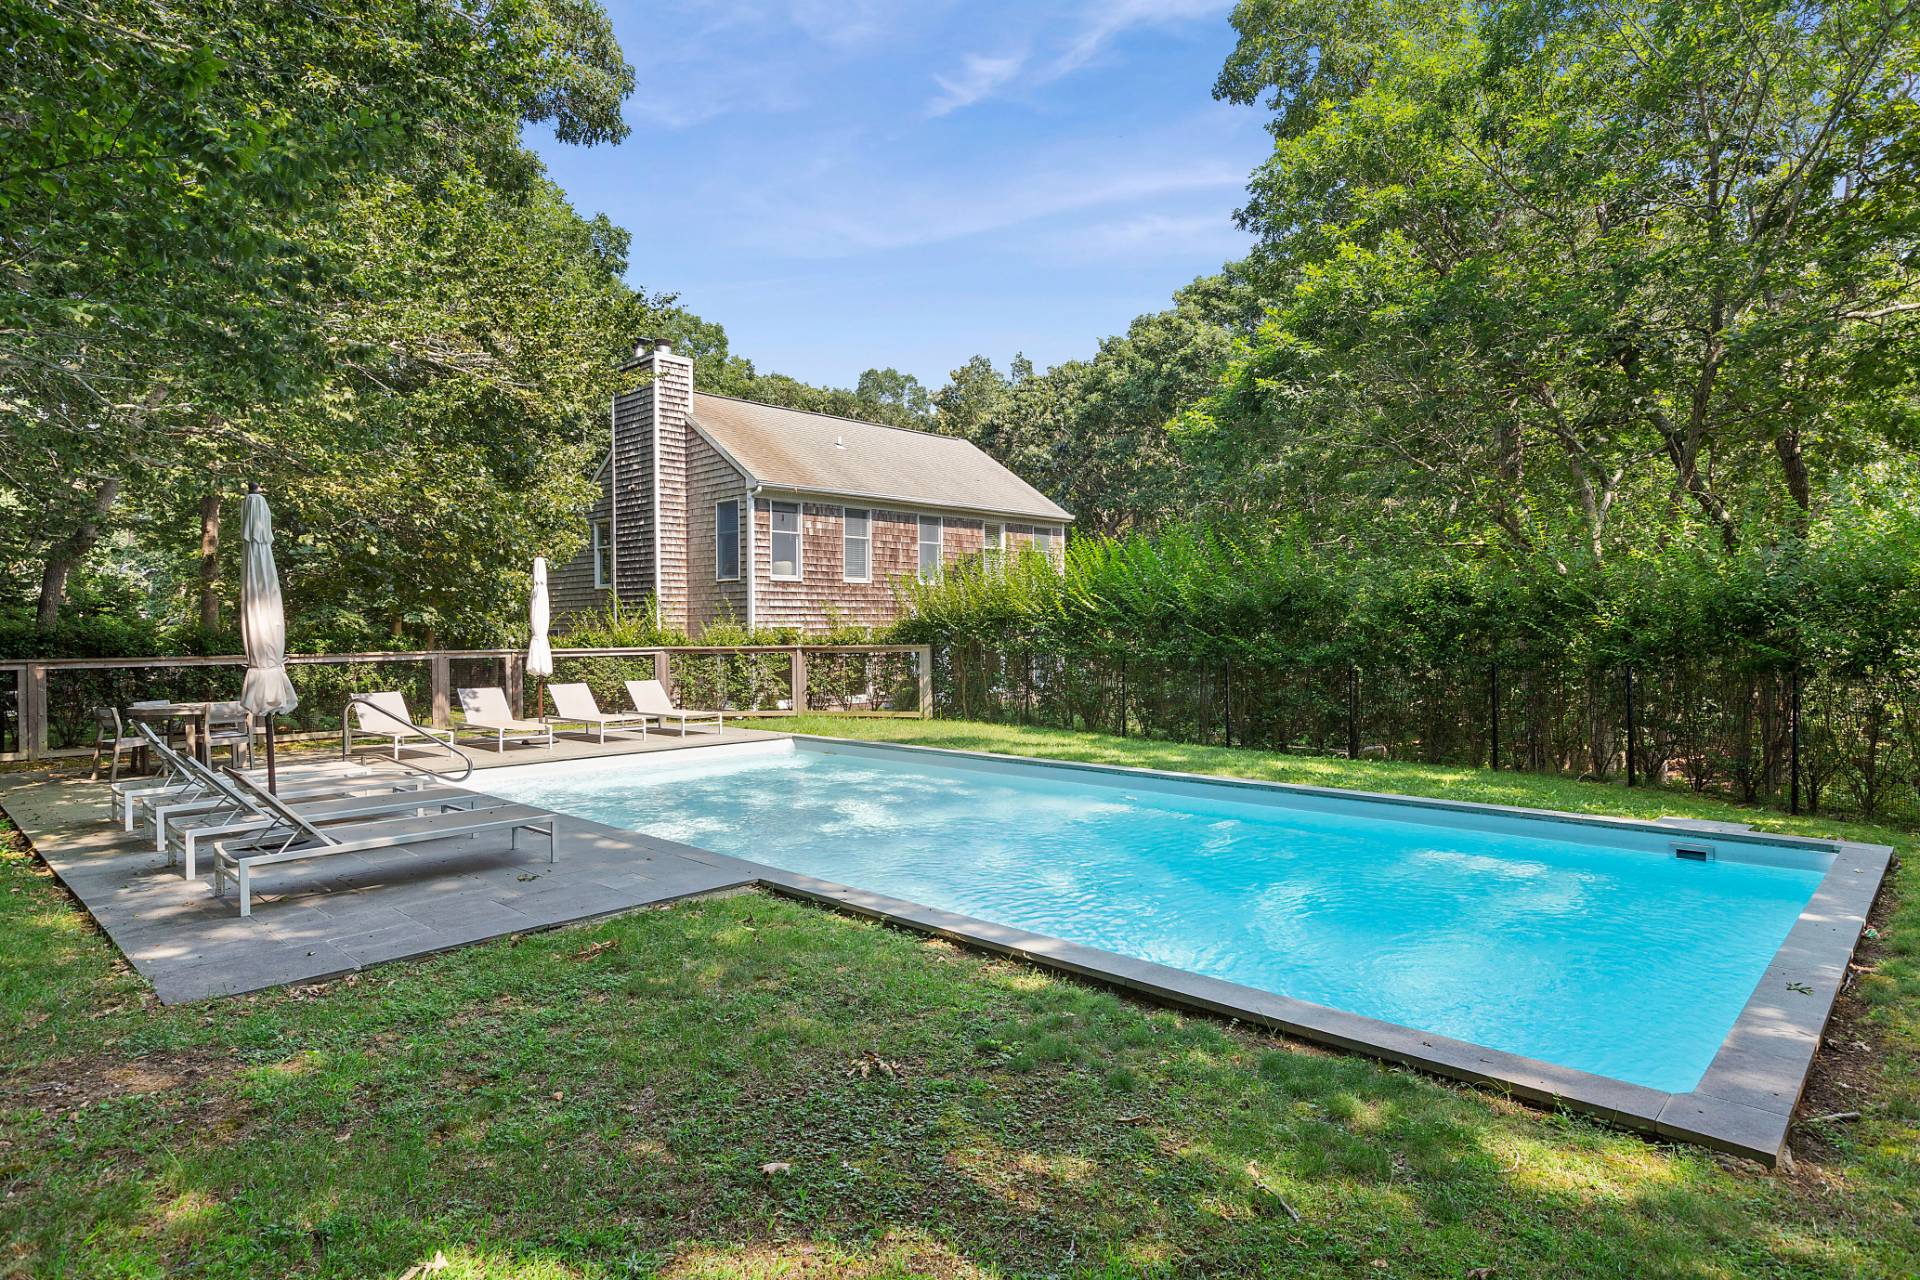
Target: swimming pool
1623	950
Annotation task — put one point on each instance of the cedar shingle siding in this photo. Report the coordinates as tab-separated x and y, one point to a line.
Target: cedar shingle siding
663	523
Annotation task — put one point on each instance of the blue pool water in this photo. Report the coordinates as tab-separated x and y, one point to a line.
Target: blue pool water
1588	946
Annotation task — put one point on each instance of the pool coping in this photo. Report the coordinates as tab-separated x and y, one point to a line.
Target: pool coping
1743	1104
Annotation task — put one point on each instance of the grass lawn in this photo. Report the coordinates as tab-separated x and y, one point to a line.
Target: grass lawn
755	1087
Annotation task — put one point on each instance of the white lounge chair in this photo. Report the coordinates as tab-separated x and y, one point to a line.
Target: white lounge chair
385	715
574	704
207	798
242	814
486	710
299	838
650	699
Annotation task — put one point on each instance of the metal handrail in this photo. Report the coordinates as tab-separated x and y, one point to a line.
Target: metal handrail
346	740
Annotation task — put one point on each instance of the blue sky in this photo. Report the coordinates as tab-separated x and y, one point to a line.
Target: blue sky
855	183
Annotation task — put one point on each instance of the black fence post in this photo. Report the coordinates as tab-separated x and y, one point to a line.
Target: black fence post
1353	713
1226	700
1493	703
1123	698
1793	752
1633	731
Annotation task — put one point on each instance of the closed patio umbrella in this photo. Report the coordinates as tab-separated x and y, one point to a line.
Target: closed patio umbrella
539	652
263	622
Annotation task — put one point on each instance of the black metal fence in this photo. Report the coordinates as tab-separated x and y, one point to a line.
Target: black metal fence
1853	746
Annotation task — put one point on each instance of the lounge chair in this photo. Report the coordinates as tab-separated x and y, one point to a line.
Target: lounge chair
650	699
299	838
131	796
242	813
205	797
385	715
487	711
574	704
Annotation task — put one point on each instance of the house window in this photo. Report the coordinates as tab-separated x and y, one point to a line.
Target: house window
786	540
929	548
726	540
1052	543
993	546
602	554
857	540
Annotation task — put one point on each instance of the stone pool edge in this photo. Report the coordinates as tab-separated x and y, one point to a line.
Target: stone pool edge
1743	1104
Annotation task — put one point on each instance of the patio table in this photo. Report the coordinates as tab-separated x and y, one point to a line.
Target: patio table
196	717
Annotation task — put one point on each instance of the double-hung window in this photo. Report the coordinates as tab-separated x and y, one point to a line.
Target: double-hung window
929	548
726	540
785	542
857	543
993	546
602	554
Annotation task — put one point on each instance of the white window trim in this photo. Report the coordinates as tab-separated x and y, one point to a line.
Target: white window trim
602	571
939	547
799	542
735	575
845	538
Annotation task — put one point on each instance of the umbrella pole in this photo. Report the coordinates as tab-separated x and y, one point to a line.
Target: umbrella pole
540	698
272	781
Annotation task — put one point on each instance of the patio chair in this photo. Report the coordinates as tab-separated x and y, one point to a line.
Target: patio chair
230	725
110	735
650	699
574	704
388	717
242	813
487	711
299	838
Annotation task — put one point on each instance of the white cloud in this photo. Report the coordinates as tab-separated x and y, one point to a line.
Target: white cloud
1098	25
1154	235
980	76
857	214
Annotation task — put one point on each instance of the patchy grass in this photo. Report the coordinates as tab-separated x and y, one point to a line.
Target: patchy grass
750	1087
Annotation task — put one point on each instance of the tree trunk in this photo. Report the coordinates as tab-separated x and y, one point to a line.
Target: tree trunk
210	562
64	555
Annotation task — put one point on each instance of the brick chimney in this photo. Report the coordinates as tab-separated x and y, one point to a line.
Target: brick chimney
649	480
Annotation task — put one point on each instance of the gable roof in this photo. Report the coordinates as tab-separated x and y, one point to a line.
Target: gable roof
818	453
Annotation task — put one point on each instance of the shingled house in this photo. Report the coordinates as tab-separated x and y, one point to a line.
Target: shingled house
729	509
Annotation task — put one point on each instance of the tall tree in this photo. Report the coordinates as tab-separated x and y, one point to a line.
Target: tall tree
1540	265
168	170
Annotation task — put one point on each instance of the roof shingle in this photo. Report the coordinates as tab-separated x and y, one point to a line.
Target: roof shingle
819	453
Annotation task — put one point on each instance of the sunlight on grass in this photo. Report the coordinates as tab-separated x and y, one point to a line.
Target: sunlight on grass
899	1254
1029	1124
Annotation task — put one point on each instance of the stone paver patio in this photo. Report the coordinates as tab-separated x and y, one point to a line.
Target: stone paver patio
321	918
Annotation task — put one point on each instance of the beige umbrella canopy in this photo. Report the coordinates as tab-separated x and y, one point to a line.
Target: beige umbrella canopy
263	622
539	651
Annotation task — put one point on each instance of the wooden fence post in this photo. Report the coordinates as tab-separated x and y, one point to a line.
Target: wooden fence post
663	669
516	678
440	680
33	710
925	656
798	668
